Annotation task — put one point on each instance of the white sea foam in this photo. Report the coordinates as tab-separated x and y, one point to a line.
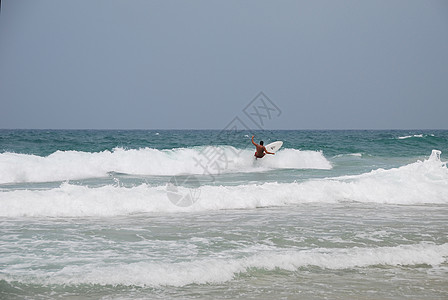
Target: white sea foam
349	154
416	183
411	136
70	165
219	270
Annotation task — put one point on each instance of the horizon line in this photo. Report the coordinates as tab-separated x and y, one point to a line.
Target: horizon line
214	129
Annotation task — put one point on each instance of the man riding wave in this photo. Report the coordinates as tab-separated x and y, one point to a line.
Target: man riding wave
261	150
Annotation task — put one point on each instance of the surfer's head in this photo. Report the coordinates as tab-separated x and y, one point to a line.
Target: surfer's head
261	143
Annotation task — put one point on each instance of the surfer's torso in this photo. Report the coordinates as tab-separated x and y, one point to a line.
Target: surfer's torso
260	151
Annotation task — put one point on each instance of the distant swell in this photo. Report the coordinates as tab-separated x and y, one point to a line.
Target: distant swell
70	165
416	183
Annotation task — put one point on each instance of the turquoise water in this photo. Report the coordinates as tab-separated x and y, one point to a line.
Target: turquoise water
190	214
394	143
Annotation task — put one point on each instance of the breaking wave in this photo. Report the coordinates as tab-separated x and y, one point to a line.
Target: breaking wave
219	270
72	165
420	182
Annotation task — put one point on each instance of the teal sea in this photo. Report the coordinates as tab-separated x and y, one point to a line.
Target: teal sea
190	214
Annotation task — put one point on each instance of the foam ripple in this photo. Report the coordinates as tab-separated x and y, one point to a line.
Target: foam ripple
219	270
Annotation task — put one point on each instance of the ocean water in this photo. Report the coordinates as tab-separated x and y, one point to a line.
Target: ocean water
190	214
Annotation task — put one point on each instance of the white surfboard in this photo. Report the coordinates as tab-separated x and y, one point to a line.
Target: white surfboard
273	147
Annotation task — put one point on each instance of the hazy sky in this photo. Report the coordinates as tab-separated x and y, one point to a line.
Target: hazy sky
197	64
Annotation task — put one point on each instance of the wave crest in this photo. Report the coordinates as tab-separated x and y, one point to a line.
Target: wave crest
416	183
72	165
219	270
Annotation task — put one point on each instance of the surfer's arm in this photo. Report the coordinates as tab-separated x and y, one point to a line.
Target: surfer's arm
253	141
268	151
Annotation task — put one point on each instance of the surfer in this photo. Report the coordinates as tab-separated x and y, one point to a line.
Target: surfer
261	150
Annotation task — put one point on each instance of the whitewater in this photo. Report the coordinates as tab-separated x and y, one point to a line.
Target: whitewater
188	214
67	165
